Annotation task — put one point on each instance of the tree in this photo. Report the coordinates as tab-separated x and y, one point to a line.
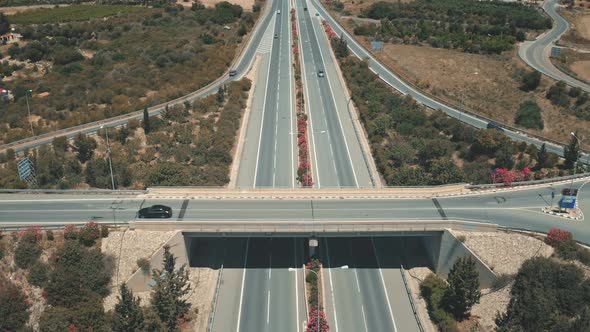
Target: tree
4	24
444	171
168	174
463	291
558	95
27	253
504	158
60	144
128	315
171	286
85	147
14	306
571	152
146	121
542	157
340	46
530	81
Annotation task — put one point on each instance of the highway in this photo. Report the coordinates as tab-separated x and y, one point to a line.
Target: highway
395	82
269	156
536	53
336	155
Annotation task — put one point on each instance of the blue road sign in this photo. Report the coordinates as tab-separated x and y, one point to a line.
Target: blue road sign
567	202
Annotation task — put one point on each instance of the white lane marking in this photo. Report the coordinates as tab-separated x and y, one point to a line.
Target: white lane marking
268	308
263	111
270	265
331	286
308	106
356	278
336	108
364	318
384	287
296	284
274	160
243	281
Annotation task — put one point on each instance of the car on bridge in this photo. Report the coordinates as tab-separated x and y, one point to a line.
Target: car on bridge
155	211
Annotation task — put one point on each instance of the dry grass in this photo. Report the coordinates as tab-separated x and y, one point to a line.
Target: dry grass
582	69
355	7
576	64
493	92
579	34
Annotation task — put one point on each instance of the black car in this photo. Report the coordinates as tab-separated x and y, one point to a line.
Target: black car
155	211
494	125
233	72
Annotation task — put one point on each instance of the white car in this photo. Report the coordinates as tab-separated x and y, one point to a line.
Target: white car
321	73
278	11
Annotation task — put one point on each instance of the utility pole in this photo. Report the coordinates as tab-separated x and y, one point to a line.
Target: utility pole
110	159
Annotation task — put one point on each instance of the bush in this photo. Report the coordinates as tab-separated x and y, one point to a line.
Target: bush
567	249
432	290
530	81
49	234
529	115
38	274
104	231
144	265
557	235
26	254
89	234
311	278
70	232
14	308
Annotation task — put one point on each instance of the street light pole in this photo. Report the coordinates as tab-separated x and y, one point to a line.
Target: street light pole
110	160
318	313
29	109
577	157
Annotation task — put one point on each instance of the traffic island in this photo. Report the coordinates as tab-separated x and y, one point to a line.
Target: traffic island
313	279
575	213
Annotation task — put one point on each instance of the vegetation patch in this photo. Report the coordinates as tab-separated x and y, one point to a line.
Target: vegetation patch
73	13
473	26
529	115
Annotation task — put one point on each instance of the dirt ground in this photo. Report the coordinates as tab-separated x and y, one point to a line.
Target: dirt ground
487	85
18	9
578	35
582	69
246	4
355	7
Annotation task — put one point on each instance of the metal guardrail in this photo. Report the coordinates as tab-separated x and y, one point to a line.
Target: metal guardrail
409	291
525	183
73	191
18	227
214	301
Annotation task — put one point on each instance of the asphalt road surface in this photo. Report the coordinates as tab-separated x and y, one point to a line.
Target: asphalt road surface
536	53
269	155
336	155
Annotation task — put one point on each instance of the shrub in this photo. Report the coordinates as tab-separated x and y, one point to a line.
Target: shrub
104	231
557	235
38	274
462	238
32	234
144	265
14	311
2	250
311	278
567	249
530	81
49	234
89	234
26	254
70	232
433	289
529	115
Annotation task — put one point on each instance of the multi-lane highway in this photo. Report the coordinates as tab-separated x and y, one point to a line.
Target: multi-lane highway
536	53
269	157
337	158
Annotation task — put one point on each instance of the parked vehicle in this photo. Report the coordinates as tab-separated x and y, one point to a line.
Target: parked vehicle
155	211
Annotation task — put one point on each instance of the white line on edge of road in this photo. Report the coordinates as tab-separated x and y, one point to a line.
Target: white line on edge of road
384	287
264	102
242	290
268	308
296	285
335	106
364	318
331	286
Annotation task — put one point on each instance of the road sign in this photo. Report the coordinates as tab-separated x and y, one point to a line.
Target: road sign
569	192
555	52
567	202
377	45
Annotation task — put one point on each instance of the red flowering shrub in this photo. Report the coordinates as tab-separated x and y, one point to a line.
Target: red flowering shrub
312	323
31	234
556	236
70	232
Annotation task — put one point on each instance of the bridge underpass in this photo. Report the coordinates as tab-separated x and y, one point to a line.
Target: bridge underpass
262	283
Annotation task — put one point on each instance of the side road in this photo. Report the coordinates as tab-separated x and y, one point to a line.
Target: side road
241	64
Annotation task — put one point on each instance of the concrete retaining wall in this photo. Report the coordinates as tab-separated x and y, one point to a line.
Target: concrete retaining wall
140	281
445	250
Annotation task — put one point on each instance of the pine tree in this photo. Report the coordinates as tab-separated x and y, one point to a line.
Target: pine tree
463	291
146	121
570	152
542	157
128	316
170	289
